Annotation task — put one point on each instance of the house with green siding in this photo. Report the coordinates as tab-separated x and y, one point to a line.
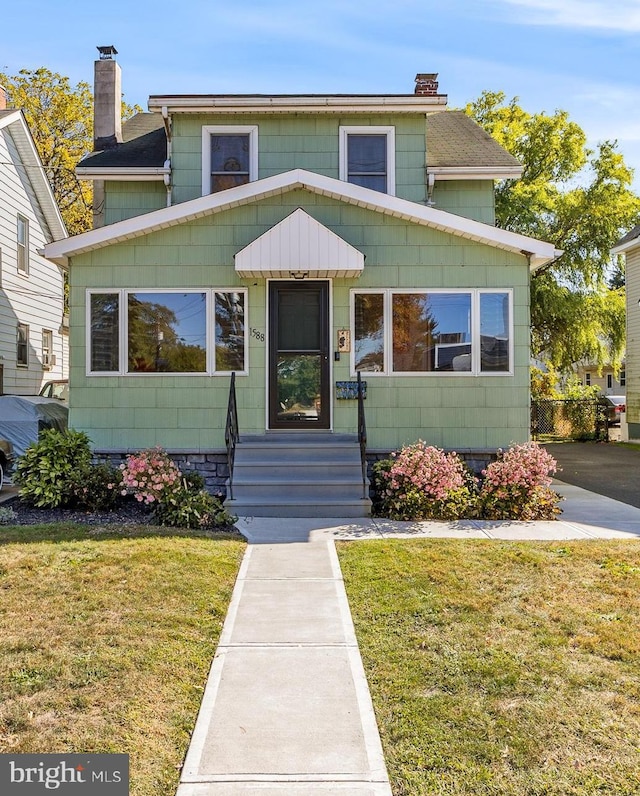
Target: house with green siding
298	242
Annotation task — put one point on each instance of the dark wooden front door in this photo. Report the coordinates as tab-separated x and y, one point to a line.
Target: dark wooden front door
299	355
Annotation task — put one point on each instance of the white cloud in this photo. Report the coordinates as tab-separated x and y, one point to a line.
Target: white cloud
622	16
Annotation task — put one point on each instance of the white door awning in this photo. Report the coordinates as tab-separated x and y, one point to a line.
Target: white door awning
299	247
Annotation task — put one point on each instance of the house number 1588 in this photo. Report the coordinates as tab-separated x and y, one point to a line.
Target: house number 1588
257	334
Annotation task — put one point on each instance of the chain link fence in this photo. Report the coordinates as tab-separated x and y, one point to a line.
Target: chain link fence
569	419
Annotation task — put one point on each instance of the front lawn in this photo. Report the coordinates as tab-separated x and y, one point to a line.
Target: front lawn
501	668
106	638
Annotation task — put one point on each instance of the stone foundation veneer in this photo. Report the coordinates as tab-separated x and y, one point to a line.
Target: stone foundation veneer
212	466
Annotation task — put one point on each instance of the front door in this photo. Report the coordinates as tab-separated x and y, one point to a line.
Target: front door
299	355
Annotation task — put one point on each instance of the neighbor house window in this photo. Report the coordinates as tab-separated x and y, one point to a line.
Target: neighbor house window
47	348
167	331
367	157
623	378
229	156
437	331
587	379
23	244
22	345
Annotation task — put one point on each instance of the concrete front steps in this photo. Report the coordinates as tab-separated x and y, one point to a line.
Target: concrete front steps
293	474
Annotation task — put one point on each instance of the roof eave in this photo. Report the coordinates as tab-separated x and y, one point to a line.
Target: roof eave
539	252
32	164
475	172
123	173
410	103
623	248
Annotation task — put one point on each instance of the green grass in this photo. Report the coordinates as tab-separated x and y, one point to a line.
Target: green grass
106	639
501	668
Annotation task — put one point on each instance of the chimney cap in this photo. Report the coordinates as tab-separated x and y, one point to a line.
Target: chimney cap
107	51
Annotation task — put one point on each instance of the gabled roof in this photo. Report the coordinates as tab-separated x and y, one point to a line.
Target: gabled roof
538	252
299	245
143	152
457	147
15	123
629	241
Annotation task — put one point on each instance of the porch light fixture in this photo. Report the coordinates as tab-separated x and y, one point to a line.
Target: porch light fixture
299	274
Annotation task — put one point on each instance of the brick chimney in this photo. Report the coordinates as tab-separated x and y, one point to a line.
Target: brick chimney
3	99
107	100
427	85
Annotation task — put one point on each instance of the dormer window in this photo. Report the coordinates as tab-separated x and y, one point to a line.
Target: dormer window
367	157
229	157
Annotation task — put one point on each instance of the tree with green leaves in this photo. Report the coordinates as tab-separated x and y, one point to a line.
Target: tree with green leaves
580	200
60	118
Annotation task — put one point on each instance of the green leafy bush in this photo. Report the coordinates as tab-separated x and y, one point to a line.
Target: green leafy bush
96	487
45	471
186	507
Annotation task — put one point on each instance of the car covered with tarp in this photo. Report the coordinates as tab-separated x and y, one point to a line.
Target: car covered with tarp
23	417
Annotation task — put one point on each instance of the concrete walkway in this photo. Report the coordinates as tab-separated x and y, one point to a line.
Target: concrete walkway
287	708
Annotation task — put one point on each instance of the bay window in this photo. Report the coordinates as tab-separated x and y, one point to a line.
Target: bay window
432	331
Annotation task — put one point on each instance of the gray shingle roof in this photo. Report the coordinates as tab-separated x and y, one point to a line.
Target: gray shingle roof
631	235
454	139
144	144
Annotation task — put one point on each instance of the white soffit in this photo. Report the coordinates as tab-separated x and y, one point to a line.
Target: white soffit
299	246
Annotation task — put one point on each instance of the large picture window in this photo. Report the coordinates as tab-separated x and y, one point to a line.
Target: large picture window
438	331
229	156
166	331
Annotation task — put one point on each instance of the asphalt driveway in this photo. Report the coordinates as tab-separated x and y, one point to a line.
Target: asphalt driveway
606	468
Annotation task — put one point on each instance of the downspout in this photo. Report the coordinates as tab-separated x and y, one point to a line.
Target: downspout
166	119
431	182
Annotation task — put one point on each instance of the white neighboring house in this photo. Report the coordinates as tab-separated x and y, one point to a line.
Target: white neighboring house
34	339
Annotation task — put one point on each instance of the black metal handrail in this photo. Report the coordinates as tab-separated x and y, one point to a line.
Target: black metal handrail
231	433
362	437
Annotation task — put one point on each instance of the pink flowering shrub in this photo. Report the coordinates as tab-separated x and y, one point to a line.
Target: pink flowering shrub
150	476
423	482
177	500
517	485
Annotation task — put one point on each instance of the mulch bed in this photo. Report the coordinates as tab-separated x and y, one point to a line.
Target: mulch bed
129	512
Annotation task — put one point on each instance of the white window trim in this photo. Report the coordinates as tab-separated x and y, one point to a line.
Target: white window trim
390	133
123	320
215	129
475	294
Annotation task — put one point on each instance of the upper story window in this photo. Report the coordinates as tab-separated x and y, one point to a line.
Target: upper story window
229	156
367	157
23	244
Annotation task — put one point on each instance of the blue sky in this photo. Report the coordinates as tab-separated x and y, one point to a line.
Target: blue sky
579	55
